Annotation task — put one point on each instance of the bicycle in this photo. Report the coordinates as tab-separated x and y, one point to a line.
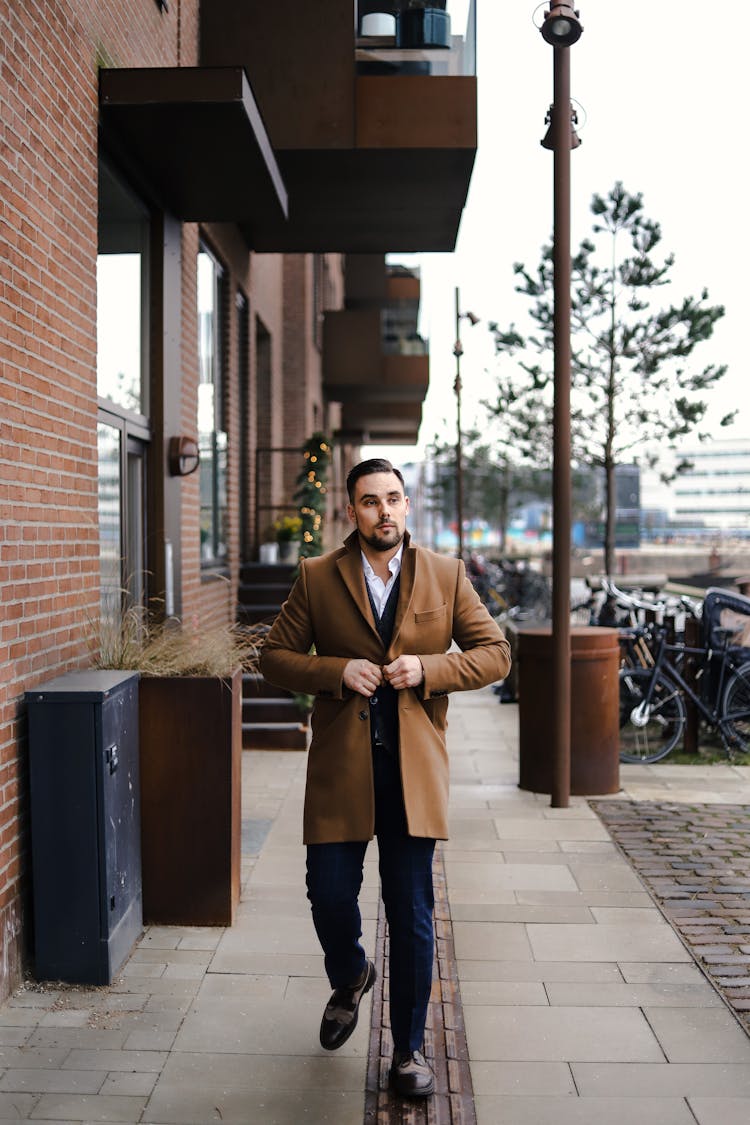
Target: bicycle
511	588
639	635
652	700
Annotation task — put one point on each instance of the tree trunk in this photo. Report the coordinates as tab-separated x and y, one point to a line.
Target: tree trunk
610	517
504	495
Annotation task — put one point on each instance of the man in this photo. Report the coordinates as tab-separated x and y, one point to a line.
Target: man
366	630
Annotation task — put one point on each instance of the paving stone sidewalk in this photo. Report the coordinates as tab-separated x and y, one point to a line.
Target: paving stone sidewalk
579	1002
695	860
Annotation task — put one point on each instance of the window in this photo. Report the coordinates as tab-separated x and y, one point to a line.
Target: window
122	385
122	286
212	438
111	550
243	368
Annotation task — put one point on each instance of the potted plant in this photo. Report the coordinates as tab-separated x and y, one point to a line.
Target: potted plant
288	532
190	734
423	23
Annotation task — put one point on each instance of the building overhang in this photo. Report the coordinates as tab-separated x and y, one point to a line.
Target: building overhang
398	419
378	437
386	200
399	186
197	136
401	379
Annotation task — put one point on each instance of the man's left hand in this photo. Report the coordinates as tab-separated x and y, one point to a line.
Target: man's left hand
404	672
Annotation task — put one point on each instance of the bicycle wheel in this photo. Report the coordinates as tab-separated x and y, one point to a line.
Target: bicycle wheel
735	708
649	734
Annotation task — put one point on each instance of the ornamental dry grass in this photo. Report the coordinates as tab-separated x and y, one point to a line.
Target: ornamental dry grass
170	648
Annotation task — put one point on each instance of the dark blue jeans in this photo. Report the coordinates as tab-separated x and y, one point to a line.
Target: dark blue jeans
334	878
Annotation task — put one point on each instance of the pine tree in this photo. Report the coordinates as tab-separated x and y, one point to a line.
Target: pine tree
633	380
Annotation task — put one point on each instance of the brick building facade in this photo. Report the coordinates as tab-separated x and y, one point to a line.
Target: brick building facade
134	312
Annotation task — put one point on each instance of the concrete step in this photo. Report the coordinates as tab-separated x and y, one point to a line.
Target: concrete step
265	593
274	736
257	614
271	711
255	687
252	572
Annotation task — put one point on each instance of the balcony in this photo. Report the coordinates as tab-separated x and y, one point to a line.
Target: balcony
374	361
387	423
375	142
362	363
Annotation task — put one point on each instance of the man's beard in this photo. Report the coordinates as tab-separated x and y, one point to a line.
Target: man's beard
383	542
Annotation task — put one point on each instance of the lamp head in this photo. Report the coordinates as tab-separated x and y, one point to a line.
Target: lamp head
561	26
472	318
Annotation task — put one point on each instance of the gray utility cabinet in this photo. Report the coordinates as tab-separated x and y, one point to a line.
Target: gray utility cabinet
85	824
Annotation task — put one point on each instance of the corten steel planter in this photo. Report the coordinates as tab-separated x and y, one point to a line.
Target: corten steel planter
594	710
190	768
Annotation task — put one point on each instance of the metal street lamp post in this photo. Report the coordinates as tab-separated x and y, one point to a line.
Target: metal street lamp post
561	28
458	351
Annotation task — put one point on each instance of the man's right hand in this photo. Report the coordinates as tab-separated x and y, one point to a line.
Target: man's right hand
363	676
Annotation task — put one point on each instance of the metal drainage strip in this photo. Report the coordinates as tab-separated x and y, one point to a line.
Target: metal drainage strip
445	1036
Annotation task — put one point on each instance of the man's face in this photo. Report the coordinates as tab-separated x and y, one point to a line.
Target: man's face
379	510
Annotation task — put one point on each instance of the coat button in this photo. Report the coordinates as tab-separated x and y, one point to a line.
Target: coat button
363	714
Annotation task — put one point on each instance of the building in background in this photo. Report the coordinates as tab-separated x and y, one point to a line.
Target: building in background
195	196
709	498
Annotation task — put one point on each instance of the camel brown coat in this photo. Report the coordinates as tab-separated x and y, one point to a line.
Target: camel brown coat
327	621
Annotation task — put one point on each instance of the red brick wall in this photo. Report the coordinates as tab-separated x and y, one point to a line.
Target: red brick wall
49	53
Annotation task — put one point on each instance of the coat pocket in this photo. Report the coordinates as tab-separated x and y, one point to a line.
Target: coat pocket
423	615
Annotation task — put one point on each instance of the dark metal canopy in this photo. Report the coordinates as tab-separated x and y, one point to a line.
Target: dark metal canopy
196	133
369	200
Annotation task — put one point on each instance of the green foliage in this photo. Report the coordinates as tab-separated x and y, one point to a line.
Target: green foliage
633	378
311	493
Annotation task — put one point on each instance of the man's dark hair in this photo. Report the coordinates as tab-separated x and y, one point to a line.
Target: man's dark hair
364	468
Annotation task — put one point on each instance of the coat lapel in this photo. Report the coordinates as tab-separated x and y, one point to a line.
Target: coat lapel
408	570
353	576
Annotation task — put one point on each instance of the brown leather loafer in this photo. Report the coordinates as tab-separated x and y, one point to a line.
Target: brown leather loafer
342	1010
411	1075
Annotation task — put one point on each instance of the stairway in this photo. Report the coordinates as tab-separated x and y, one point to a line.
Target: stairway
271	718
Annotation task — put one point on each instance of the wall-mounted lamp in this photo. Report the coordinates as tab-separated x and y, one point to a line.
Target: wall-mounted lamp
183	456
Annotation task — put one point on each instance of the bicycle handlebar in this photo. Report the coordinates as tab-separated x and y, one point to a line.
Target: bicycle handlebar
659	608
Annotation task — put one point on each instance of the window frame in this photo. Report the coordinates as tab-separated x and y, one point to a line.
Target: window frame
215	557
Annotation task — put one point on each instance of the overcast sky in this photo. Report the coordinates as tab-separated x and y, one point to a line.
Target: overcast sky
662	106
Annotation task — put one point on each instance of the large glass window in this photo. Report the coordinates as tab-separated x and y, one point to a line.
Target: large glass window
122	265
122	385
212	437
110	522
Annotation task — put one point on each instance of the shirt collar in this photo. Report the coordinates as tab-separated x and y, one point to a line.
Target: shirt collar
394	564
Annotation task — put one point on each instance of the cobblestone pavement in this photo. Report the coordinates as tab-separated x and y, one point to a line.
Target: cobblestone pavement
445	1034
695	860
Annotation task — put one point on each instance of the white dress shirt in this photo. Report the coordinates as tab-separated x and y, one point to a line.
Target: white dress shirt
377	587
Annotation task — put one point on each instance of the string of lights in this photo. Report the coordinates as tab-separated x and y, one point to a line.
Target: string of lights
312	492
